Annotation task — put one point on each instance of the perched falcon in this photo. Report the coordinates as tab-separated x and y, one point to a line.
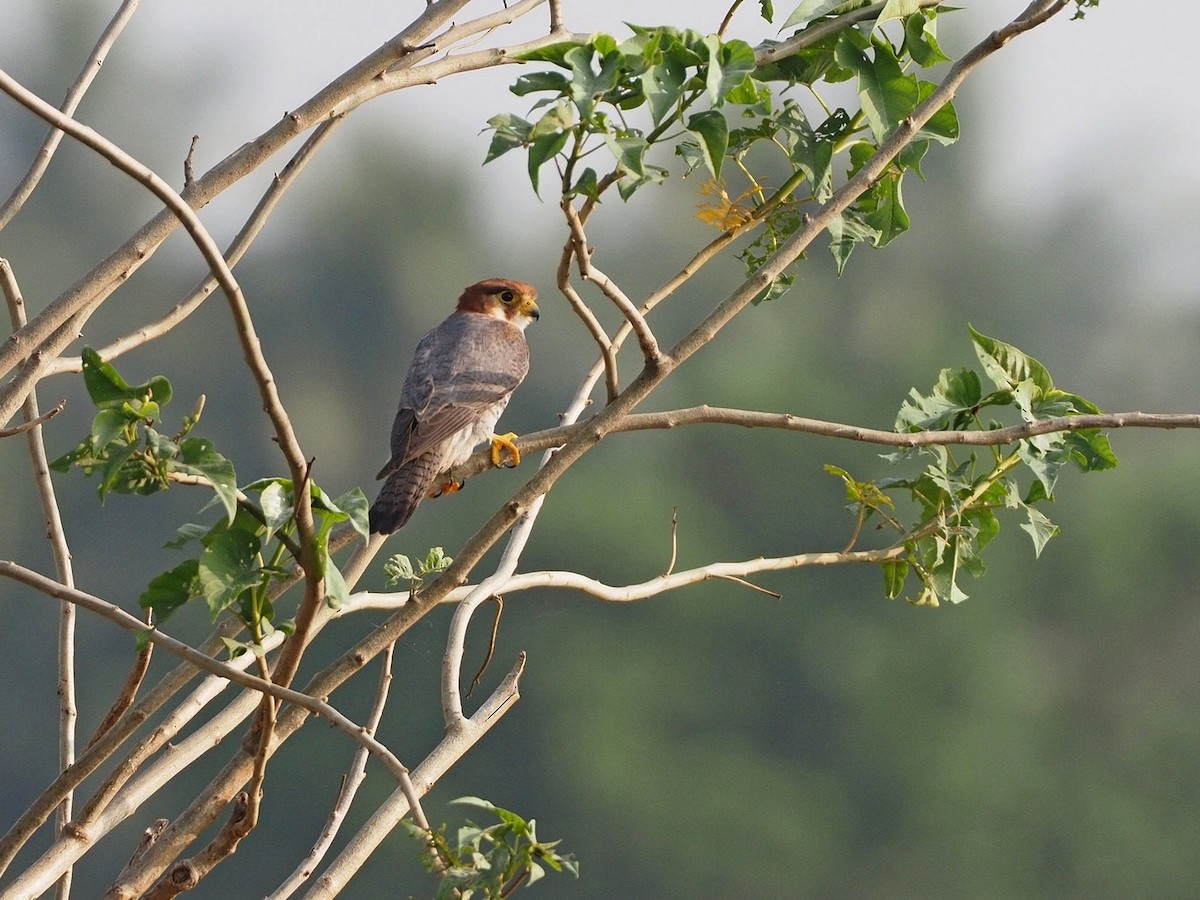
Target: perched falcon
461	377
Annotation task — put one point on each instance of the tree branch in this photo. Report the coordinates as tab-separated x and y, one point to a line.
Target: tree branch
91	68
56	535
588	272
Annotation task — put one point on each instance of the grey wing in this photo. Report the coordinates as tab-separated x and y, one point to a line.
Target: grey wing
461	369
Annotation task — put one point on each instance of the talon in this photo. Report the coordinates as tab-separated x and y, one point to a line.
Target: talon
502	442
448	488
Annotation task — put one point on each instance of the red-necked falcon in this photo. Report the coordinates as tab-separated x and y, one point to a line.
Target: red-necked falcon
460	380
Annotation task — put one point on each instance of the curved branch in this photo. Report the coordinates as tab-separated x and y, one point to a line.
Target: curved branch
588	272
745	418
608	354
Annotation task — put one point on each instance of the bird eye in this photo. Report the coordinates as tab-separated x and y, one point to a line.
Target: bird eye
507	296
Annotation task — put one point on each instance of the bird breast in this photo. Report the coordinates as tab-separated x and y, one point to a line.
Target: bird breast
460	445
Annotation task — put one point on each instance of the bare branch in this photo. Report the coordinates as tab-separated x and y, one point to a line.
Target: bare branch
351	782
453	747
607	352
58	324
744	418
118	616
125	697
67	711
233	254
587	271
724	26
31	424
91	68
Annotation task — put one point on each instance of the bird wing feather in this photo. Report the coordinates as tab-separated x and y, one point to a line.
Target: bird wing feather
460	370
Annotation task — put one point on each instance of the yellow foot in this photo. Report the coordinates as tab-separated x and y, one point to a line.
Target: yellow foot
448	488
502	442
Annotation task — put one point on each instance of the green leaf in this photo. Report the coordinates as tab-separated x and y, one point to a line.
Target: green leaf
227	568
950	405
895	571
117	476
920	40
943	124
728	66
1007	366
588	84
887	94
171	590
104	385
882	208
199	458
766	9
337	592
187	533
712	133
897	9
510	132
845	232
540	81
629	151
1090	450
662	86
551	53
813	9
586	185
812	153
108	424
354	504
1040	529
541	151
277	508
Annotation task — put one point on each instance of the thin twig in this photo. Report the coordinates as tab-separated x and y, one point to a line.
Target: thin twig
31	424
233	254
91	68
589	272
607	351
57	537
128	692
674	540
487	659
724	26
351	782
458	740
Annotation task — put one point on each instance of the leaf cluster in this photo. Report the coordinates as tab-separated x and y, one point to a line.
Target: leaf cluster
490	862
711	102
128	453
957	498
242	554
399	568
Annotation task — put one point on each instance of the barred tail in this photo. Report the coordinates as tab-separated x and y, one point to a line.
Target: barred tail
402	493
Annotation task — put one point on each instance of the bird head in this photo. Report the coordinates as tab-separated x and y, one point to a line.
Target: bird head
501	298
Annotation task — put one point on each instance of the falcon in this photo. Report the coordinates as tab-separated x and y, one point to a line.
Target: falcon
462	375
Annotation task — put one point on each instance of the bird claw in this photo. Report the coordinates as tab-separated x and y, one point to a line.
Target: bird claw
504	442
448	488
